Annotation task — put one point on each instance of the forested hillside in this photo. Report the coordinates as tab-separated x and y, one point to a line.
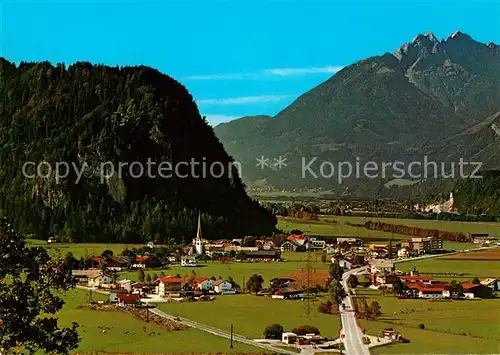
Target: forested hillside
478	196
92	114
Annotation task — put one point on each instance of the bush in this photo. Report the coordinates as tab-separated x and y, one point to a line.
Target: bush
366	340
273	331
327	308
305	329
421	326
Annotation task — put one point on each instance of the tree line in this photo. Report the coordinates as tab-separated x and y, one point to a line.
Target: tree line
414	231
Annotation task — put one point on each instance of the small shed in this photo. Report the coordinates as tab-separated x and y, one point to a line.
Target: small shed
289	338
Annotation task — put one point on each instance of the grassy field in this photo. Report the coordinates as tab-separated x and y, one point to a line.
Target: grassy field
238	271
251	314
130	334
336	226
450	326
82	249
474	268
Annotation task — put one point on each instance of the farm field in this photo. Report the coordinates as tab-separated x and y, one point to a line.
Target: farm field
131	334
336	226
450	326
470	268
250	314
481	255
238	271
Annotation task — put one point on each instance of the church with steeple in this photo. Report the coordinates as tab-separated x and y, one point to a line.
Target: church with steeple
198	242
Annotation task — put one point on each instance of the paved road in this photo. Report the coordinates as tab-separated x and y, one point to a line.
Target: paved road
353	341
220	332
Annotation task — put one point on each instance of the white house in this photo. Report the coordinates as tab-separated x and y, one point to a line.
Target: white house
205	284
288	338
224	287
100	280
315	243
403	253
494	284
188	261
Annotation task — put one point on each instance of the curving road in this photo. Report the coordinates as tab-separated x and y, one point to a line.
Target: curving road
353	341
221	333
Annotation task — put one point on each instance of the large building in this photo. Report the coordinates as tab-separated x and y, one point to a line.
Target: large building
426	245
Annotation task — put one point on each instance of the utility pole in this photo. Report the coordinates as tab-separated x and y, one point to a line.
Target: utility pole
231	345
308	290
147	314
243	285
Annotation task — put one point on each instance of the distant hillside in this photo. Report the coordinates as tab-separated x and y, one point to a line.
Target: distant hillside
94	114
478	196
426	99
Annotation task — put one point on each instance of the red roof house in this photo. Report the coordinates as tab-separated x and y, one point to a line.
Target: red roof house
128	299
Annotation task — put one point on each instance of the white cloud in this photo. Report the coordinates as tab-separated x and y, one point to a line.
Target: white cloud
303	71
242	100
263	74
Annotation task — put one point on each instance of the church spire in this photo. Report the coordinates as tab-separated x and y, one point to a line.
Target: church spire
198	232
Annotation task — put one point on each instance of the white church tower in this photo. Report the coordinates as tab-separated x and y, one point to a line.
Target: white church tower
198	244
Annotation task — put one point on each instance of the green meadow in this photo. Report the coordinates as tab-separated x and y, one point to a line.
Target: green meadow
470	268
451	327
250	314
130	334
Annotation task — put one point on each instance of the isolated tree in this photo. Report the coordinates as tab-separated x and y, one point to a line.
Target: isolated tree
254	283
323	258
352	281
142	275
375	310
106	254
336	271
398	286
148	278
273	331
336	292
162	274
70	261
476	281
30	297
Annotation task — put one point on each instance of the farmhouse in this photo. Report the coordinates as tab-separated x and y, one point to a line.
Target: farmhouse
100	280
128	300
289	245
291	292
494	284
381	266
315	243
83	276
385	280
202	283
188	261
169	284
223	287
263	255
478	290
113	295
426	280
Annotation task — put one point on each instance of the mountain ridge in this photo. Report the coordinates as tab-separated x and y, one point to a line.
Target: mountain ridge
394	106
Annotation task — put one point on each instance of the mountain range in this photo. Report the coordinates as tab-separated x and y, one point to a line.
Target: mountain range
431	98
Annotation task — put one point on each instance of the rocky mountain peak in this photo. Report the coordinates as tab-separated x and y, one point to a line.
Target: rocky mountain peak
458	35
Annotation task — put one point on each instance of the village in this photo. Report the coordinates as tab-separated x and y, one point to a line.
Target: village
377	262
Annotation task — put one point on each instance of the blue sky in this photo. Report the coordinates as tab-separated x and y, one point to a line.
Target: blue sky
236	57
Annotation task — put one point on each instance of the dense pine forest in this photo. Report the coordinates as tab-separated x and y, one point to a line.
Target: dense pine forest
479	196
92	114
